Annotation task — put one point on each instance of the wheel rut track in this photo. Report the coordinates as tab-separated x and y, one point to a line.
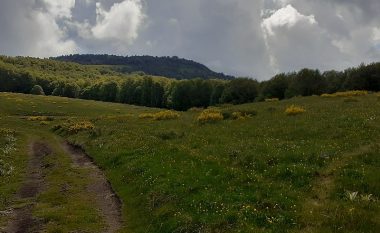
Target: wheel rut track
106	199
22	219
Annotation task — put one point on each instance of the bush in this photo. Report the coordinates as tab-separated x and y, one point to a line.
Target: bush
80	126
166	115
146	116
294	110
210	115
240	116
37	90
74	127
163	115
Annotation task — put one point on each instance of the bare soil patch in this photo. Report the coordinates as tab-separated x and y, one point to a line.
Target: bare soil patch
105	198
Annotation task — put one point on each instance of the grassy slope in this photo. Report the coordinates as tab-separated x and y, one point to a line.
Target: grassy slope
271	173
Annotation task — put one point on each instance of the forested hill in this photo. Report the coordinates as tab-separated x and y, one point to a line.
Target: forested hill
171	67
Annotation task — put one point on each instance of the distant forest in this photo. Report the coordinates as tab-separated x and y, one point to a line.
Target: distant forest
103	83
171	67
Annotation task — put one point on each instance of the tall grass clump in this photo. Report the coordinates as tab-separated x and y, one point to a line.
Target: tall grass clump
210	115
294	110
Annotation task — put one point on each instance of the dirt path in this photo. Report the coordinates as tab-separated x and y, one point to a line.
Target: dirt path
22	220
105	198
324	185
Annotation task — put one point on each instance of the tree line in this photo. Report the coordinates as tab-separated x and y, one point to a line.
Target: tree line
36	76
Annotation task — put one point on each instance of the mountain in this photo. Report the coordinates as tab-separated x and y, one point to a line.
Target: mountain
171	67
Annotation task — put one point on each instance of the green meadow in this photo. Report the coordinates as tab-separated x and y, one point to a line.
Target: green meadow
316	171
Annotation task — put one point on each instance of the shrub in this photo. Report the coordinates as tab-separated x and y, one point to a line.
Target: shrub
163	115
240	116
74	127
294	110
210	115
346	94
80	126
37	90
166	115
146	116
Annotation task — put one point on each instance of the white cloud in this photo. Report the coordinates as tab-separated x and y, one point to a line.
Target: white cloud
121	23
296	41
376	34
288	17
59	8
51	39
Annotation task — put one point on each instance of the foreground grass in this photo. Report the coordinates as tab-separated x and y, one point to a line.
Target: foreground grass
267	173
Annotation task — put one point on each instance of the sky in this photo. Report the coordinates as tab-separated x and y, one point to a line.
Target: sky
250	38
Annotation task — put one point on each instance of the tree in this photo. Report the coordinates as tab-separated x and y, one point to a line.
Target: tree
109	91
276	87
37	90
71	90
239	91
306	83
216	94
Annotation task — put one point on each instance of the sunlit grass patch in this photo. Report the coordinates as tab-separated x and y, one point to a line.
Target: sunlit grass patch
346	94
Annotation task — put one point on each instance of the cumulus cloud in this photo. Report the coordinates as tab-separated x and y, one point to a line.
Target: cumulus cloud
31	28
295	41
59	8
120	23
288	17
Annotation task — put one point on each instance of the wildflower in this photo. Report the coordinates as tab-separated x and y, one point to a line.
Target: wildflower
351	195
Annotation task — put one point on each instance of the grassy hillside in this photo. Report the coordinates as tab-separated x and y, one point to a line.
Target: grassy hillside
317	171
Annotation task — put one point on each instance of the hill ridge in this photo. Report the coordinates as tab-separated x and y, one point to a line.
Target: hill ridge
171	67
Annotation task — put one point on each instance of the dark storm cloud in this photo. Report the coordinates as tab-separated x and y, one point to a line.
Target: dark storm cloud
239	37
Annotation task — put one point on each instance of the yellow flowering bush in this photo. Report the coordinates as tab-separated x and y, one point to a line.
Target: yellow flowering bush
80	126
163	115
240	116
166	115
74	127
146	116
346	94
210	115
294	110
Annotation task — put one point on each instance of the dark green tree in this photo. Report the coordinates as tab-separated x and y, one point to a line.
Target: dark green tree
37	90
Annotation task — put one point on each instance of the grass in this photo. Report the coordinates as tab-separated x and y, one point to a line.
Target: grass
263	174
